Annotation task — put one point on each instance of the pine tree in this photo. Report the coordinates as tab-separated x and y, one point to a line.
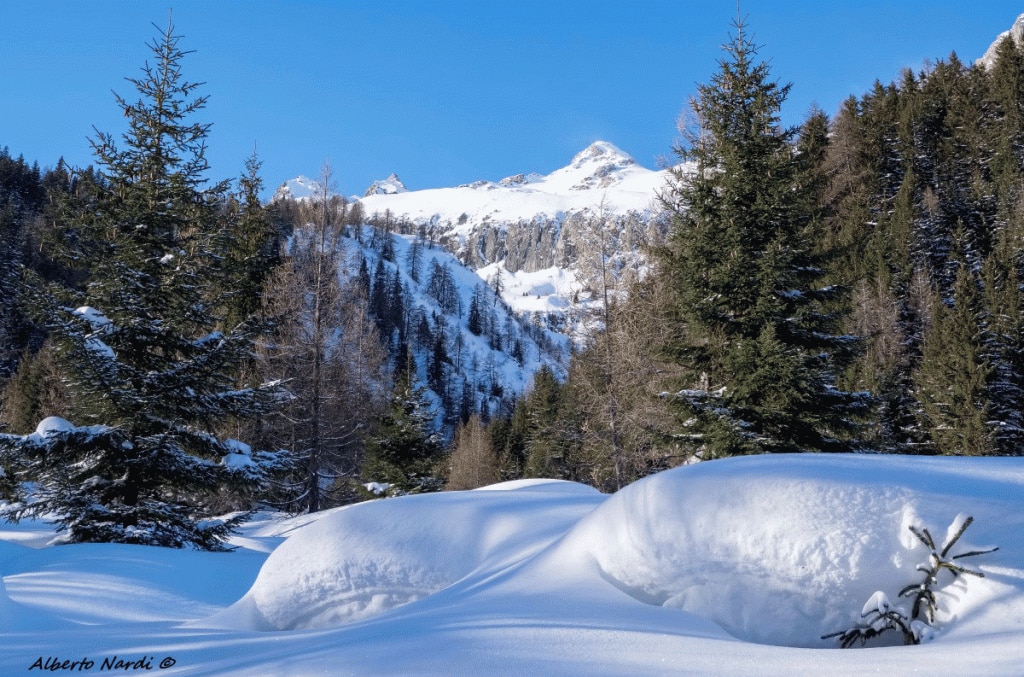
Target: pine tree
150	372
952	380
751	320
404	448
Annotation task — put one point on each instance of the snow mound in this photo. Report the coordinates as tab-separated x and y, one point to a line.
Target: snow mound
363	560
53	425
776	550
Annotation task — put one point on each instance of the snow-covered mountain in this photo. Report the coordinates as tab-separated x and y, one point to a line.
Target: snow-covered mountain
389	186
482	353
521	258
538	233
299	188
1016	31
599	175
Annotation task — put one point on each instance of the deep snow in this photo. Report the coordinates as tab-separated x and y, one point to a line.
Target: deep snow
729	567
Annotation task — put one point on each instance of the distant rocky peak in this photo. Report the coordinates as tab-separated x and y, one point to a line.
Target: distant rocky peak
602	153
599	166
299	188
388	186
520	179
1017	32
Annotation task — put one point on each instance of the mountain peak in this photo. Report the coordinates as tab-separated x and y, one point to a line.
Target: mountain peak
598	166
299	188
388	186
603	153
1017	32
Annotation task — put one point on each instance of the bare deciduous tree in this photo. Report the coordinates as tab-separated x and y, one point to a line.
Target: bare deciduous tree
329	353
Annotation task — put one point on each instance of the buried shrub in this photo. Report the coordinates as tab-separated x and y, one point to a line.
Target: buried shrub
879	615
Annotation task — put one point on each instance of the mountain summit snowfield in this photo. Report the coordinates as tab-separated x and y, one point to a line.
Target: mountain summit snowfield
728	567
600	172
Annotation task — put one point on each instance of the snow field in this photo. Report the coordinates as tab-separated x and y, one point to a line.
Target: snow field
721	568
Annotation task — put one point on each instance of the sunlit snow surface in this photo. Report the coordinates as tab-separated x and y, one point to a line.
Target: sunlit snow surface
722	568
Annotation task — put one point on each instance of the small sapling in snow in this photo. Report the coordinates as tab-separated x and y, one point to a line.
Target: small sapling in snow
879	615
923	593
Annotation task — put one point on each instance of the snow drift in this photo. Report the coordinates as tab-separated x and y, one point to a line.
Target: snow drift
718	568
774	549
779	549
365	559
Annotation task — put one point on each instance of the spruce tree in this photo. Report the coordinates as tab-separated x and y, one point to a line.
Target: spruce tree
751	323
252	245
952	381
404	448
151	369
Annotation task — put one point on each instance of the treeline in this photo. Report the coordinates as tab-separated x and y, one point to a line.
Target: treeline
852	284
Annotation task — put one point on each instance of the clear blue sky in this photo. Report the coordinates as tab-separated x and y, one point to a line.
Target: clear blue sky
447	91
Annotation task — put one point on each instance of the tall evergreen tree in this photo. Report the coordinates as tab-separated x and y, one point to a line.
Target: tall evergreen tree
753	331
151	372
953	377
404	449
252	248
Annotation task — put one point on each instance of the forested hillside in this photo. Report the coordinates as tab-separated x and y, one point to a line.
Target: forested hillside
853	283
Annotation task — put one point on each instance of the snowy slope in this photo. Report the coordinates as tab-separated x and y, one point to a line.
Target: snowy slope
473	358
723	568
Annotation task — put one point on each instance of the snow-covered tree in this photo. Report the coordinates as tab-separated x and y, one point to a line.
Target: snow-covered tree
151	370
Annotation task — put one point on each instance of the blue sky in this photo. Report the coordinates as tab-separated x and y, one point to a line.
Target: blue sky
447	91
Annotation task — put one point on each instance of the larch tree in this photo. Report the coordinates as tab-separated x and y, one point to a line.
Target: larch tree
151	369
473	461
750	318
328	352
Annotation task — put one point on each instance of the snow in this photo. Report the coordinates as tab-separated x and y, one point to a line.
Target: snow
477	357
988	60
94	317
600	180
540	291
599	173
389	186
53	424
101	325
728	567
299	188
